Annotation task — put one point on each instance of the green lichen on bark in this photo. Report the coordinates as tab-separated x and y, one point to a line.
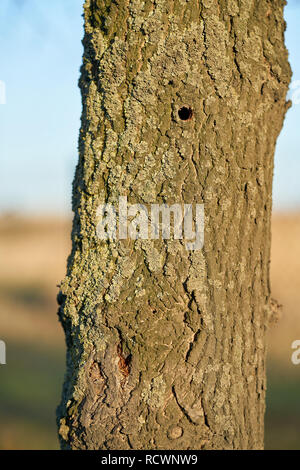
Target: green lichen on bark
166	347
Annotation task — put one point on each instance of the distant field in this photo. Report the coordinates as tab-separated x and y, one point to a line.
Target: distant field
283	404
33	256
33	259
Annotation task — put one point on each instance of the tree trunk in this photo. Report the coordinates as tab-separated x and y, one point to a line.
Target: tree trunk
182	104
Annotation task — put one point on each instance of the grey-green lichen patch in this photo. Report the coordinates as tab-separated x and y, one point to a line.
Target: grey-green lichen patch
153	258
154	393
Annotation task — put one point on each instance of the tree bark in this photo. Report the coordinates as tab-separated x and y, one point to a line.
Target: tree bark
166	347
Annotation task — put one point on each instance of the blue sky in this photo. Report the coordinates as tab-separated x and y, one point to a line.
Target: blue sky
39	62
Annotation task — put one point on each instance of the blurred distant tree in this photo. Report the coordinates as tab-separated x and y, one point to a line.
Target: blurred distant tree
182	103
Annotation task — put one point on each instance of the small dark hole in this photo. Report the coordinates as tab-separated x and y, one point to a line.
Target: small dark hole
185	113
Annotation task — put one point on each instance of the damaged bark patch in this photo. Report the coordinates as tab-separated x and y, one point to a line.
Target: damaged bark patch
96	378
124	364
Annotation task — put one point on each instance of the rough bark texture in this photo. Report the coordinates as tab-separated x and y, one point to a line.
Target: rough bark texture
166	347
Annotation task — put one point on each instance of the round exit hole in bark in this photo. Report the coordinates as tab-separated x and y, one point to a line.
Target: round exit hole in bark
185	113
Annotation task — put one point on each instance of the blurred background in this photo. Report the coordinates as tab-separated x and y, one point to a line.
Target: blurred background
39	121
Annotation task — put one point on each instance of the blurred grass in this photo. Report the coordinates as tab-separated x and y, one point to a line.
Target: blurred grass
282	422
29	393
33	256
